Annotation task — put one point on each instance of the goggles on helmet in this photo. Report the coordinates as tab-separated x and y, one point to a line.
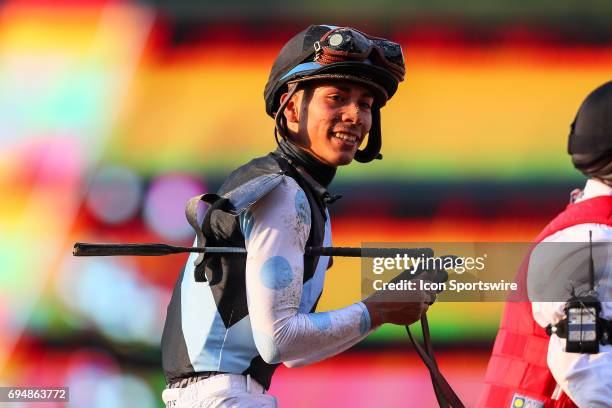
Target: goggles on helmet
347	44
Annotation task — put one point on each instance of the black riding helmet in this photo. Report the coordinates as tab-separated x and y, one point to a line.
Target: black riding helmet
330	52
590	139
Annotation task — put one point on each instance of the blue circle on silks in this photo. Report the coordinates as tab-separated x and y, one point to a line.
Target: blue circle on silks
302	207
322	321
276	273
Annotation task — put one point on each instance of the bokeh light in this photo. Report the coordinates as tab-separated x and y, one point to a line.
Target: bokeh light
95	380
110	294
164	208
115	194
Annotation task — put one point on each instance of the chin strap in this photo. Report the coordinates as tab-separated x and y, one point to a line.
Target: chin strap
372	149
280	121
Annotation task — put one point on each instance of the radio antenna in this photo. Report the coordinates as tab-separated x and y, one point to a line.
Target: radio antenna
591	266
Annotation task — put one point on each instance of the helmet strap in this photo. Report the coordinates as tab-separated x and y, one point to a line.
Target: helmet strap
372	149
280	120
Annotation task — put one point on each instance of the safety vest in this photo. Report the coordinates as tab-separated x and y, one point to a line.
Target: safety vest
517	375
226	273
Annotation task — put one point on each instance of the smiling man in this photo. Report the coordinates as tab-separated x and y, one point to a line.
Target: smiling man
231	320
335	118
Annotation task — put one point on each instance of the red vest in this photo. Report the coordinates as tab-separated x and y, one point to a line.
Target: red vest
517	367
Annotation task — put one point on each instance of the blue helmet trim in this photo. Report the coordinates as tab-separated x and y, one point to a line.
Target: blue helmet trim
305	66
311	66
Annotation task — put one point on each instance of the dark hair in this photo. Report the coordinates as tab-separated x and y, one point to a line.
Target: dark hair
597	165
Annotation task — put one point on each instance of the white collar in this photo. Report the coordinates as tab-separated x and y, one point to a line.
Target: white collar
594	188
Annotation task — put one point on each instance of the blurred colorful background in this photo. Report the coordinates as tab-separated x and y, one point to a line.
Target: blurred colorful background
112	114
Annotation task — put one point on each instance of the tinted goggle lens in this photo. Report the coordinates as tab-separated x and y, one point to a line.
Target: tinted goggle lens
351	41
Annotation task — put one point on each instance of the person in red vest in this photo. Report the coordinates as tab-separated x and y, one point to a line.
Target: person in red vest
528	368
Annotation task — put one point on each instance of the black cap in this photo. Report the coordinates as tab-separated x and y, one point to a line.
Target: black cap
591	131
295	63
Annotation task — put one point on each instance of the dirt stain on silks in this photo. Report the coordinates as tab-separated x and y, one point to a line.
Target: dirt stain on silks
296	224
